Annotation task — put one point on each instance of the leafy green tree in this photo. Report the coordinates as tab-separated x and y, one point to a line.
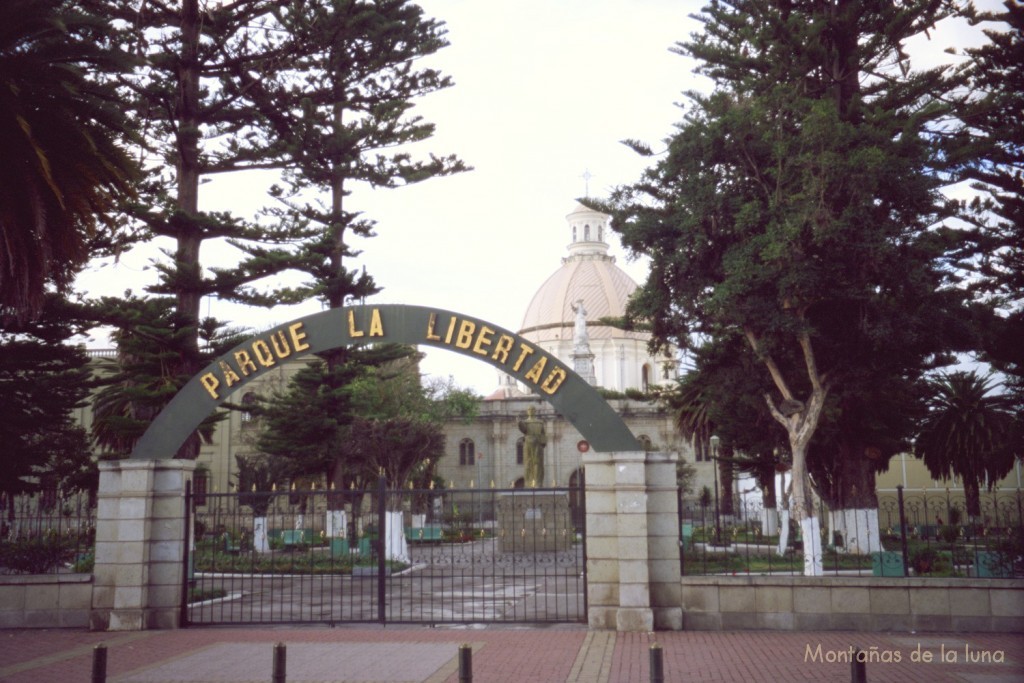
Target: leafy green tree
398	428
970	431
796	204
307	424
43	381
380	418
147	372
63	135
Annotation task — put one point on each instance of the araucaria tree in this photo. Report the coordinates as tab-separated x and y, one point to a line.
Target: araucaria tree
797	206
318	88
340	114
340	111
196	123
43	380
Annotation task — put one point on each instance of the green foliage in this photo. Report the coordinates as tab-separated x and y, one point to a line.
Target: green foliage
792	226
928	560
151	337
991	150
62	130
258	475
43	380
200	595
368	415
340	107
84	563
970	431
34	555
686	475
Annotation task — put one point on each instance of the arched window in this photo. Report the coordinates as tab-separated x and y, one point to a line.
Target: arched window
574	233
645	378
586	233
519	450
600	233
248	402
467	452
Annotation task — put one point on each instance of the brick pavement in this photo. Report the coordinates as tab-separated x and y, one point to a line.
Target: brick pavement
524	655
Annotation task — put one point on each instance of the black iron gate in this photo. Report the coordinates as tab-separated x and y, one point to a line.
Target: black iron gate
387	556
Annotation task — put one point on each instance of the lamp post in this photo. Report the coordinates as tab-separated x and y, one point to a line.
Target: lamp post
714	457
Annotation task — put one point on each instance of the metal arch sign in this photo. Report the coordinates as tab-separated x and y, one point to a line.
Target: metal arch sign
548	377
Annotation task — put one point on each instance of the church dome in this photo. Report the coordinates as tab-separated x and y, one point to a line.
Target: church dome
588	274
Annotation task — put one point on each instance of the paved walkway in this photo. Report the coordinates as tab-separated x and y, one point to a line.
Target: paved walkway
524	655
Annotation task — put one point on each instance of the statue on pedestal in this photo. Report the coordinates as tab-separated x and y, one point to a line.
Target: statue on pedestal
533	448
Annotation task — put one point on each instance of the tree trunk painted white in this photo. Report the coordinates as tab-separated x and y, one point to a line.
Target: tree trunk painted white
336	524
800	418
395	546
810	529
805	513
300	521
260	542
769	521
783	531
859	529
419	521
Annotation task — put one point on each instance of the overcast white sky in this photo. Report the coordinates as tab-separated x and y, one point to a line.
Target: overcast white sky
544	91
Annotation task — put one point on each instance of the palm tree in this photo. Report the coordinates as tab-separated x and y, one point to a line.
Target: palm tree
60	131
968	431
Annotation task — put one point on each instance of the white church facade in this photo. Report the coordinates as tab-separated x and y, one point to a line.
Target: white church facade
570	316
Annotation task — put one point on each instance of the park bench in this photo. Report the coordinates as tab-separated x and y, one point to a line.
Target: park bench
686	534
230	547
423	533
293	537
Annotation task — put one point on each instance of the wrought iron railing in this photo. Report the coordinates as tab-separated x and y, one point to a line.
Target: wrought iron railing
380	555
920	533
47	532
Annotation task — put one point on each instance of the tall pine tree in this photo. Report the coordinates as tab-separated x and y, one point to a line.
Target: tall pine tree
342	114
795	206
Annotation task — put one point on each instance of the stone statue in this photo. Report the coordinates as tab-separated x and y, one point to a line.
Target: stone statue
533	448
580	335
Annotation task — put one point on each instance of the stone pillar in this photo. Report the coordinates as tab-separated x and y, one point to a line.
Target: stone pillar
140	544
632	541
663	538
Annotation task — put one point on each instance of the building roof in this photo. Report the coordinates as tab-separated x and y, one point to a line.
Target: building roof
588	273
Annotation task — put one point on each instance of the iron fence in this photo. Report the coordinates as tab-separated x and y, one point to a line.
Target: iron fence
920	533
47	532
387	556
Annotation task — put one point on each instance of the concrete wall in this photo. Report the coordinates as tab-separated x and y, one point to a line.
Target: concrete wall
793	603
45	601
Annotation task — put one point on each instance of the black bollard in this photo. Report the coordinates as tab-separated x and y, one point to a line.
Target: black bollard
858	668
466	664
657	665
99	664
280	660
